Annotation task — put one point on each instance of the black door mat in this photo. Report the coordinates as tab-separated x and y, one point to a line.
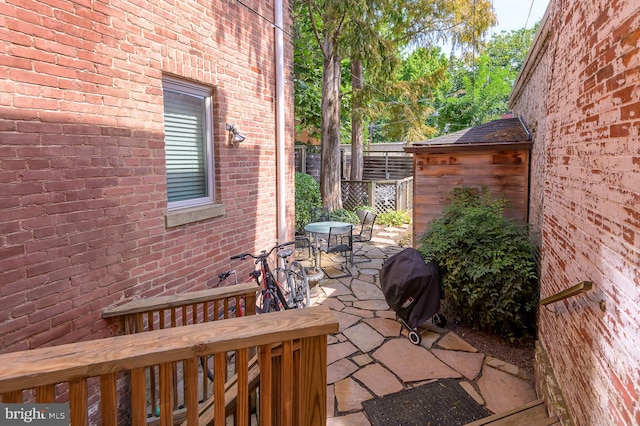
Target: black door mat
441	403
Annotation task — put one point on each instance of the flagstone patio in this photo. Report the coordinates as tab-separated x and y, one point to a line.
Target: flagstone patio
371	355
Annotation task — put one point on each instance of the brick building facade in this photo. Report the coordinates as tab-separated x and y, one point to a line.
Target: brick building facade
85	219
579	94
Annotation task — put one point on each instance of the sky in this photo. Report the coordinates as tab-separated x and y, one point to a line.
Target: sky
512	14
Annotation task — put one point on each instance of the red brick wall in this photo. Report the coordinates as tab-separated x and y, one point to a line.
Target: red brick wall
82	169
581	96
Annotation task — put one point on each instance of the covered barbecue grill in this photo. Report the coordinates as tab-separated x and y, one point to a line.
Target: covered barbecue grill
411	288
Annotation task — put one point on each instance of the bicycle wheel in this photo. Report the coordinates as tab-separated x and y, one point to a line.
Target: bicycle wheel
298	286
269	303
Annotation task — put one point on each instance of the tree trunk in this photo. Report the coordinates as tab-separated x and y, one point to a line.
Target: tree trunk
330	152
356	121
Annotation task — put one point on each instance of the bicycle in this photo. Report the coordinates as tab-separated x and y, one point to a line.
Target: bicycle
274	296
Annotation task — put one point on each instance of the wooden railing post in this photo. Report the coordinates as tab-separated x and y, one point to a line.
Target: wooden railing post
313	379
371	192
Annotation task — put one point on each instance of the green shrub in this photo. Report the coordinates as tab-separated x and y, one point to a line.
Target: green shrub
307	198
393	218
364	207
486	264
343	215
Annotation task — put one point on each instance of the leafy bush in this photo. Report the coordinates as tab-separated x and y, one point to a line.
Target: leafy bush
393	218
343	215
365	207
486	264
307	198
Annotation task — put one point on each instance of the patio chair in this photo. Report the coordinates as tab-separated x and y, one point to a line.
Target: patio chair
366	227
319	215
303	241
339	240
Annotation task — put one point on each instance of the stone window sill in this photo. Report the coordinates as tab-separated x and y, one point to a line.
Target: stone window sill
193	214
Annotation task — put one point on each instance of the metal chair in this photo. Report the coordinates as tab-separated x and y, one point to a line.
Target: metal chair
339	240
303	241
366	227
319	215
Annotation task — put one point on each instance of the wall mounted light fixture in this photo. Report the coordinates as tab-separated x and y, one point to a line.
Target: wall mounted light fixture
236	136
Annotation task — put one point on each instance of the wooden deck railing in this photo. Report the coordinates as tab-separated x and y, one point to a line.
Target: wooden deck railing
196	307
294	394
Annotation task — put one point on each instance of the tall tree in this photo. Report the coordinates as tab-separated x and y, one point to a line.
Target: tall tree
370	43
390	27
352	27
328	20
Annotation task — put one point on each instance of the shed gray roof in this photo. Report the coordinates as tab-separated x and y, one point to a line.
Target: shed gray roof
505	131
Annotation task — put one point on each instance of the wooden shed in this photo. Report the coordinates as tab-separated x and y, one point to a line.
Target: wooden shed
494	155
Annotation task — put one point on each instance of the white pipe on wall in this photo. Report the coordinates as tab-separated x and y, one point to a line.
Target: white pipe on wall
281	162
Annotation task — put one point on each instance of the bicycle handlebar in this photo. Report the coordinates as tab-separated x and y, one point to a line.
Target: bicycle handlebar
263	255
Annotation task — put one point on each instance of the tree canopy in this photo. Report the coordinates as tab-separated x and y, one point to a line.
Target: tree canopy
376	62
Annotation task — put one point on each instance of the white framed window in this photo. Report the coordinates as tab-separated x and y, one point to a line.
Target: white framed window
188	130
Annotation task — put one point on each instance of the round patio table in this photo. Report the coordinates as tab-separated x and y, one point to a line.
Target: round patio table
321	228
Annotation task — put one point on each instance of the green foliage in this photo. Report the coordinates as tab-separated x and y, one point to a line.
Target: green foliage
364	207
344	215
481	98
376	33
393	218
409	101
307	198
509	49
486	264
478	87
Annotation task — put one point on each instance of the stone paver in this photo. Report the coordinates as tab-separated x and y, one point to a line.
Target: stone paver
384	326
346	320
412	363
502	391
364	337
379	240
332	303
386	314
339	350
374	262
349	395
378	379
339	370
366	291
502	366
371	355
372	305
355	419
472	391
466	363
364	313
331	400
362	359
334	288
454	342
429	338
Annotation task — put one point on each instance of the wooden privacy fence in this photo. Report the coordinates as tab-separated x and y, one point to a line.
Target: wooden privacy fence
383	195
294	395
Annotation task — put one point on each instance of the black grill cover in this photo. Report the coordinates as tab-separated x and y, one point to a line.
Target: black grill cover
411	286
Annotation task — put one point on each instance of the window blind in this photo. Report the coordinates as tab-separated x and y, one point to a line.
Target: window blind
185	150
